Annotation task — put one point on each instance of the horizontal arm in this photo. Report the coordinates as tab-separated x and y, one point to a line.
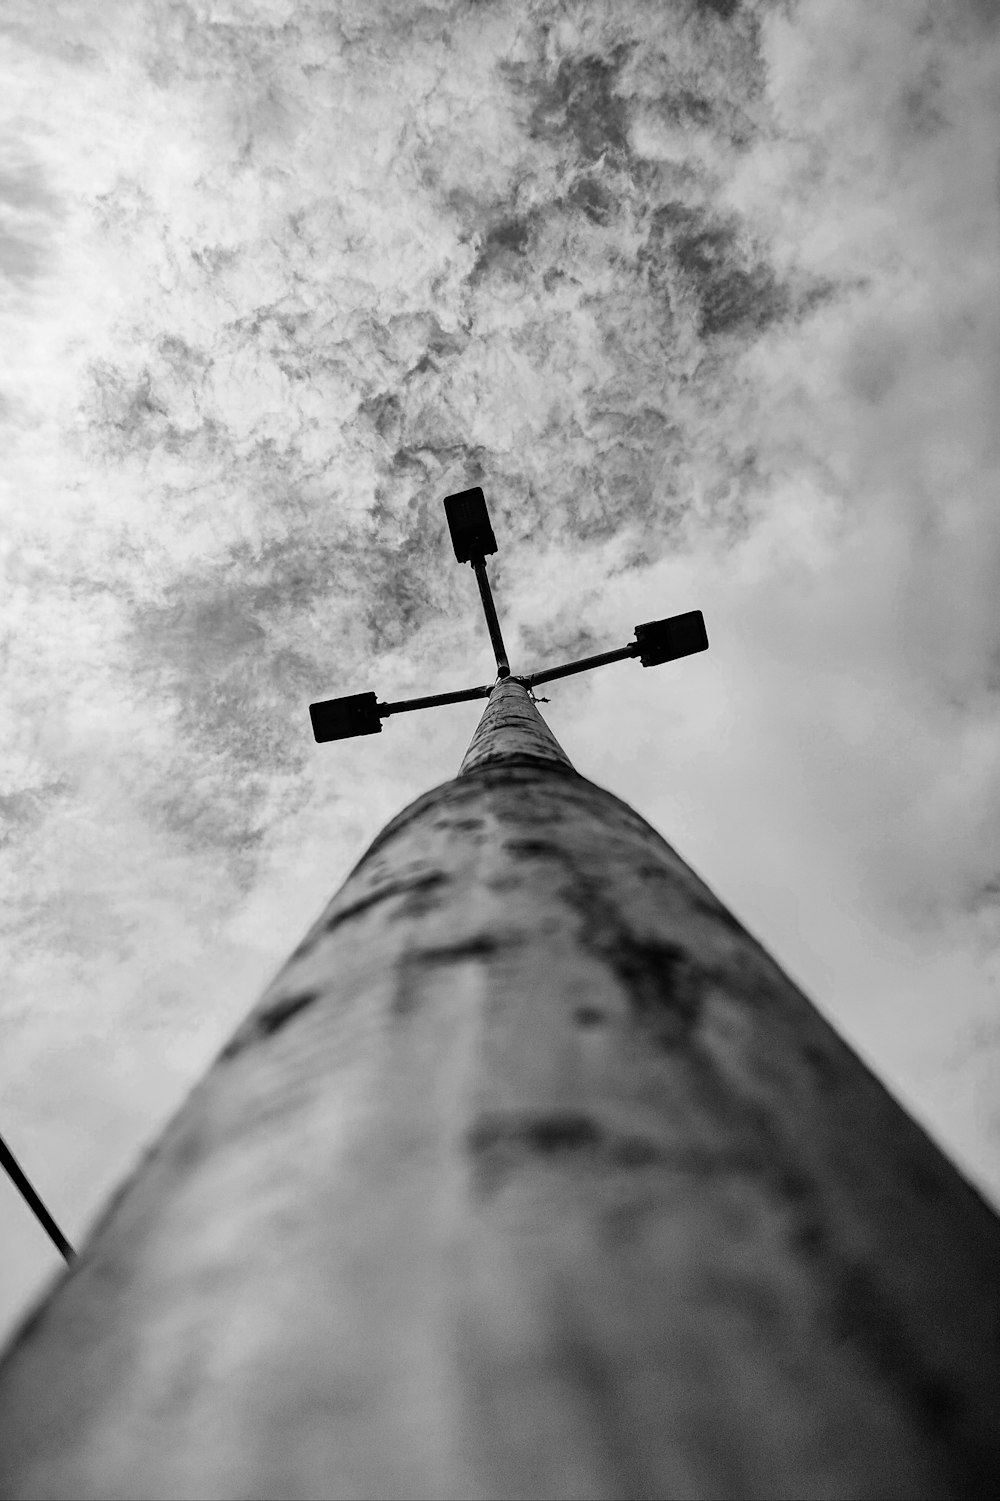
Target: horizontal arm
404	705
584	665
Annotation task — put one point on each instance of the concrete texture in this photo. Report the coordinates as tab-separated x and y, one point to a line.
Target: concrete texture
511	726
531	1175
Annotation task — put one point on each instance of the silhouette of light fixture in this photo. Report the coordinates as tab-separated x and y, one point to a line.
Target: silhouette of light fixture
343	718
469	523
472	537
666	640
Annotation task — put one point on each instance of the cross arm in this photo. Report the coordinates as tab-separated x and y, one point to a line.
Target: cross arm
362	714
584	665
402	706
655	642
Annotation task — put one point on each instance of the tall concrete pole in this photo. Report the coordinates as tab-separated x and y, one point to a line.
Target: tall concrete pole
531	1175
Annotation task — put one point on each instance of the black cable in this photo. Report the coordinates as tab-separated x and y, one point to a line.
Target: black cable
20	1180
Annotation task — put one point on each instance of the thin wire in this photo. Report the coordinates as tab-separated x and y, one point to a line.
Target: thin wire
20	1179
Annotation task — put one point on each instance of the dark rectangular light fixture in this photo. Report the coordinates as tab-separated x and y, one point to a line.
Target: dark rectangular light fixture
663	640
341	718
469	524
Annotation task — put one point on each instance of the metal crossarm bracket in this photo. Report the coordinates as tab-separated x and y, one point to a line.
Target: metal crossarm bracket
472	537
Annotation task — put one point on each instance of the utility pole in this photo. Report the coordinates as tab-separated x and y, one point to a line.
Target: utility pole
530	1175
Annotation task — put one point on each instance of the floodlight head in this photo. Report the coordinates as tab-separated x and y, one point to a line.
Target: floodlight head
341	718
469	524
663	640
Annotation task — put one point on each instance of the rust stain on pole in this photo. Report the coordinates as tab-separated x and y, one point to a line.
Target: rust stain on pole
530	1175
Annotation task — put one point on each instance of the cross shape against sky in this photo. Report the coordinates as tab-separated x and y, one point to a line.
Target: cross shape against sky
472	536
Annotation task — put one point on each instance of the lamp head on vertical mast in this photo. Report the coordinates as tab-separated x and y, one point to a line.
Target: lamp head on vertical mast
473	539
469	523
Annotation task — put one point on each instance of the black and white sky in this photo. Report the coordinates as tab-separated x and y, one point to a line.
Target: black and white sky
706	296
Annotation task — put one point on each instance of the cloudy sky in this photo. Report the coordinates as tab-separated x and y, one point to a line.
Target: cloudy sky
704	295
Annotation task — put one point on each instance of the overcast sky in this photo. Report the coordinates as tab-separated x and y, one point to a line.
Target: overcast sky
705	296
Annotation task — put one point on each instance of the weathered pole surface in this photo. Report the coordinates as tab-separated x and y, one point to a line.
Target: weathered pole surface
531	1175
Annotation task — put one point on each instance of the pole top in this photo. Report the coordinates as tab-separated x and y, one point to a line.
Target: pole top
472	536
511	726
